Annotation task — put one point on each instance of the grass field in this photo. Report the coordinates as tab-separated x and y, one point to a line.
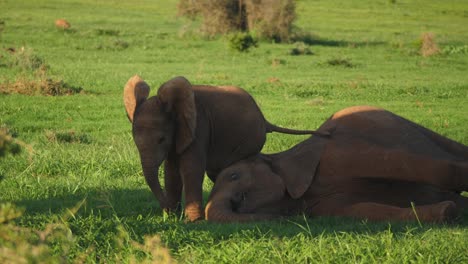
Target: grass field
76	192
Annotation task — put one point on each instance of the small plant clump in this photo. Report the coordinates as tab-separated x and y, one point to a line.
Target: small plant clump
7	143
427	45
301	49
242	42
107	32
340	62
115	45
449	50
43	86
67	137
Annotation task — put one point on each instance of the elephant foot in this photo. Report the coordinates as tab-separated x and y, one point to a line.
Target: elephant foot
173	207
193	212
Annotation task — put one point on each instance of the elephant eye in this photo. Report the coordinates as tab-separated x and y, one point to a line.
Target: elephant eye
234	177
161	140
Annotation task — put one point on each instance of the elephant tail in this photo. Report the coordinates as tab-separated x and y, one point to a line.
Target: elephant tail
274	128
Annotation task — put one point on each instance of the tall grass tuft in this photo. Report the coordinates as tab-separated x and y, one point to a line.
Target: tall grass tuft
7	143
427	45
56	243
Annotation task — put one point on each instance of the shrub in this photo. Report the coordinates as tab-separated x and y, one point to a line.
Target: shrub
242	42
219	16
271	19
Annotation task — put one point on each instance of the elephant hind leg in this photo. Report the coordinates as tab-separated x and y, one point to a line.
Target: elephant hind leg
448	145
436	213
445	174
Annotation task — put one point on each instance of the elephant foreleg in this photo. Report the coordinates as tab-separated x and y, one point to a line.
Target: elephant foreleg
438	212
192	169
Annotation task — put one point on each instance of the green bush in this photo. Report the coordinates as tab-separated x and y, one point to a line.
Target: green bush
242	42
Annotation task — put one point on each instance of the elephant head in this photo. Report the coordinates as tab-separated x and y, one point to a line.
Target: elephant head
160	124
263	186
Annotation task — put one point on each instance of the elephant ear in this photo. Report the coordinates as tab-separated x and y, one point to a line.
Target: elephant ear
135	93
177	97
298	166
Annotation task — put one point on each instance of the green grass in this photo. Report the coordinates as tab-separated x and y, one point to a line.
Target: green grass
81	147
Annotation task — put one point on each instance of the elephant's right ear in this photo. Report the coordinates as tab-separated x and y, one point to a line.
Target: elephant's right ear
135	92
298	166
178	97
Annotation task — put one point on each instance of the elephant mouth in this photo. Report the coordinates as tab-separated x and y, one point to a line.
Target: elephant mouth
237	201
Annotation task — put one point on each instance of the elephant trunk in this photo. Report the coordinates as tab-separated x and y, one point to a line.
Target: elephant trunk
152	179
220	210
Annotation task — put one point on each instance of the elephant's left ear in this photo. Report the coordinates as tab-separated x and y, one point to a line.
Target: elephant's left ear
298	166
178	98
135	93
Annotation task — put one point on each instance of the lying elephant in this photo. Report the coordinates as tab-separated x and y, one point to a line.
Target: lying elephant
193	128
374	166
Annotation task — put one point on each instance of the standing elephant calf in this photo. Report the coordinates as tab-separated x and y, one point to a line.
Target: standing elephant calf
193	129
373	166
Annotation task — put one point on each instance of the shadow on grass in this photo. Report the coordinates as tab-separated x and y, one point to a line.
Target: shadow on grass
120	202
337	43
138	210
